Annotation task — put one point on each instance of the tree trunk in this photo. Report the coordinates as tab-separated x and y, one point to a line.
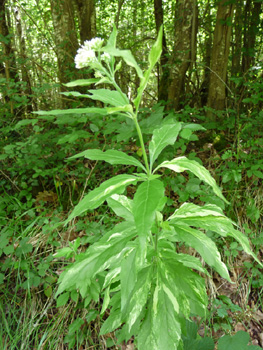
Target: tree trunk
220	54
237	39
164	70
87	19
251	29
65	40
23	60
7	57
207	23
117	17
184	48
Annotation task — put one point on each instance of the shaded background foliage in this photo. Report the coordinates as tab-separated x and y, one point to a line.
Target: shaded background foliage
211	62
210	73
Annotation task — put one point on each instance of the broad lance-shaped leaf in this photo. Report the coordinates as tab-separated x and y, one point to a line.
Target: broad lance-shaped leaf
161	328
122	206
154	56
145	204
88	110
110	156
221	225
82	82
126	55
95	198
100	256
162	137
114	98
126	110
113	322
210	217
185	259
203	245
113	37
128	277
192	210
181	164
139	296
184	287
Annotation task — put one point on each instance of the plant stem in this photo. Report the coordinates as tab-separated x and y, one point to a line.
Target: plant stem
142	144
134	117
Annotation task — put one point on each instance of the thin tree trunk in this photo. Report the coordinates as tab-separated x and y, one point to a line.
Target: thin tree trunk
220	55
207	54
164	69
117	17
237	42
8	55
65	40
251	28
184	49
27	90
87	19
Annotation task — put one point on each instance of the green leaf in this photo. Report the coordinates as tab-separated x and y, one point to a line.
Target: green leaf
122	206
62	299
156	49
211	218
162	137
99	257
110	156
186	134
73	93
114	98
126	110
115	185
185	259
203	245
106	300
82	82
128	278
138	297
237	342
113	321
25	122
47	290
145	204
181	164
193	127
243	240
160	328
111	277
205	343
166	327
185	288
154	56
127	57
192	210
89	110
64	252
75	325
192	343
113	37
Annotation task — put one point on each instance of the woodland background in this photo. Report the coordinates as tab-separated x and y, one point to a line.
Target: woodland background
210	73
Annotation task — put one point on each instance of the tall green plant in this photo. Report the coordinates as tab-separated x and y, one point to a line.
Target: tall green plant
148	286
